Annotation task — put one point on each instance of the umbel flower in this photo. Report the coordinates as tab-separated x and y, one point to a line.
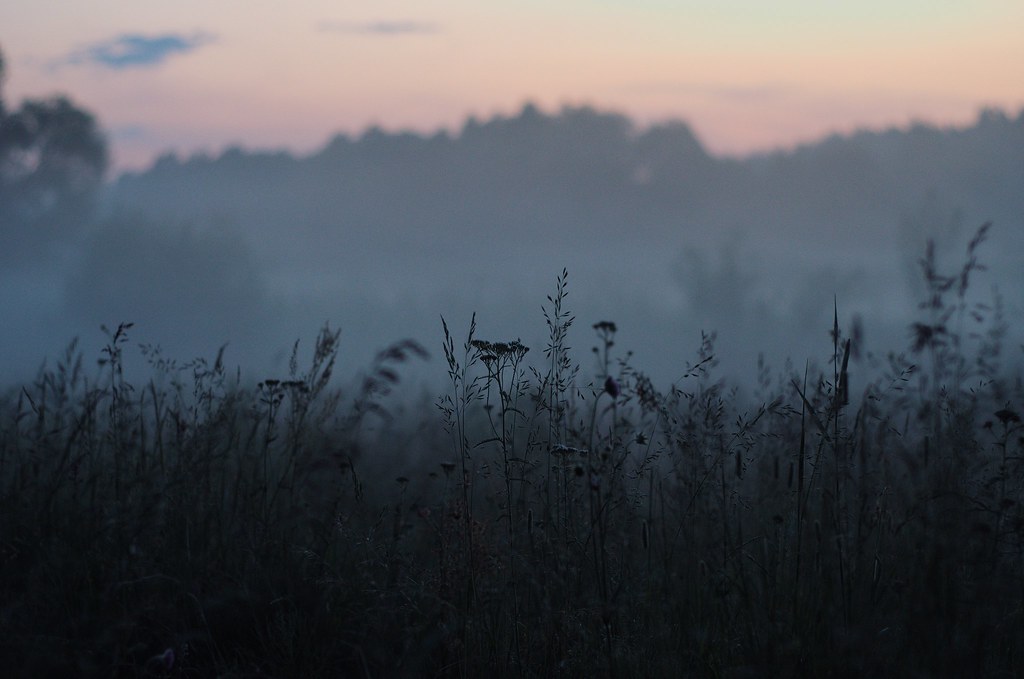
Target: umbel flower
491	351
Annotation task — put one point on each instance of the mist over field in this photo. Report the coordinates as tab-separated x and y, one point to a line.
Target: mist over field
382	234
554	340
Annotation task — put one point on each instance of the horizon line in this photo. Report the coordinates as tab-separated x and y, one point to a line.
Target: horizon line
637	127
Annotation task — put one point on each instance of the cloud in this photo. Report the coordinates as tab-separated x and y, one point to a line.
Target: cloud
134	50
383	27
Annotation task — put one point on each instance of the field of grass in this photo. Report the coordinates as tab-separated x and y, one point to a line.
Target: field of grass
546	516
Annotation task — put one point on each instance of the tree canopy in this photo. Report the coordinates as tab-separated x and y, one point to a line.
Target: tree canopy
52	161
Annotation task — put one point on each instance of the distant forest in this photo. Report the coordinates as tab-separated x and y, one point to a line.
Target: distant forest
382	232
586	173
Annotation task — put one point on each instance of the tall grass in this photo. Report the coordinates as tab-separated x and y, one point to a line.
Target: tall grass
552	518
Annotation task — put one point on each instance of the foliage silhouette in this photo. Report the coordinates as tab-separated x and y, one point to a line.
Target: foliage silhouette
52	161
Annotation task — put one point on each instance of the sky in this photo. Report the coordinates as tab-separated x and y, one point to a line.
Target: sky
199	76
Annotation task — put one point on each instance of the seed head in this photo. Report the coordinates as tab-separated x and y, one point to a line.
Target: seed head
611	386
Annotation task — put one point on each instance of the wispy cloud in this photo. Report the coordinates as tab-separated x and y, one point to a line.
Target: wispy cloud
382	27
135	50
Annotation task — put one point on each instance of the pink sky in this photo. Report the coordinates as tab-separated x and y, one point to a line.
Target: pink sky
748	76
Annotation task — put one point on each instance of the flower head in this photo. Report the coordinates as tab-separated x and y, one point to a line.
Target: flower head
612	387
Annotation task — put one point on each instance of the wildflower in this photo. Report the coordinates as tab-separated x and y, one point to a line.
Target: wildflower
611	386
1007	416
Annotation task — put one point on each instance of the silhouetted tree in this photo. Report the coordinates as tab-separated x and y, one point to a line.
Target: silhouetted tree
52	161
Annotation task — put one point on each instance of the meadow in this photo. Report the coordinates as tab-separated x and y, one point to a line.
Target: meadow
553	513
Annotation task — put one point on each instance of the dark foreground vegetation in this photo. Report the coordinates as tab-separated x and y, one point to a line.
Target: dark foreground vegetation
564	521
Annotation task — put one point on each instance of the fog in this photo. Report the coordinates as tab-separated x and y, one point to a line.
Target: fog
384	233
